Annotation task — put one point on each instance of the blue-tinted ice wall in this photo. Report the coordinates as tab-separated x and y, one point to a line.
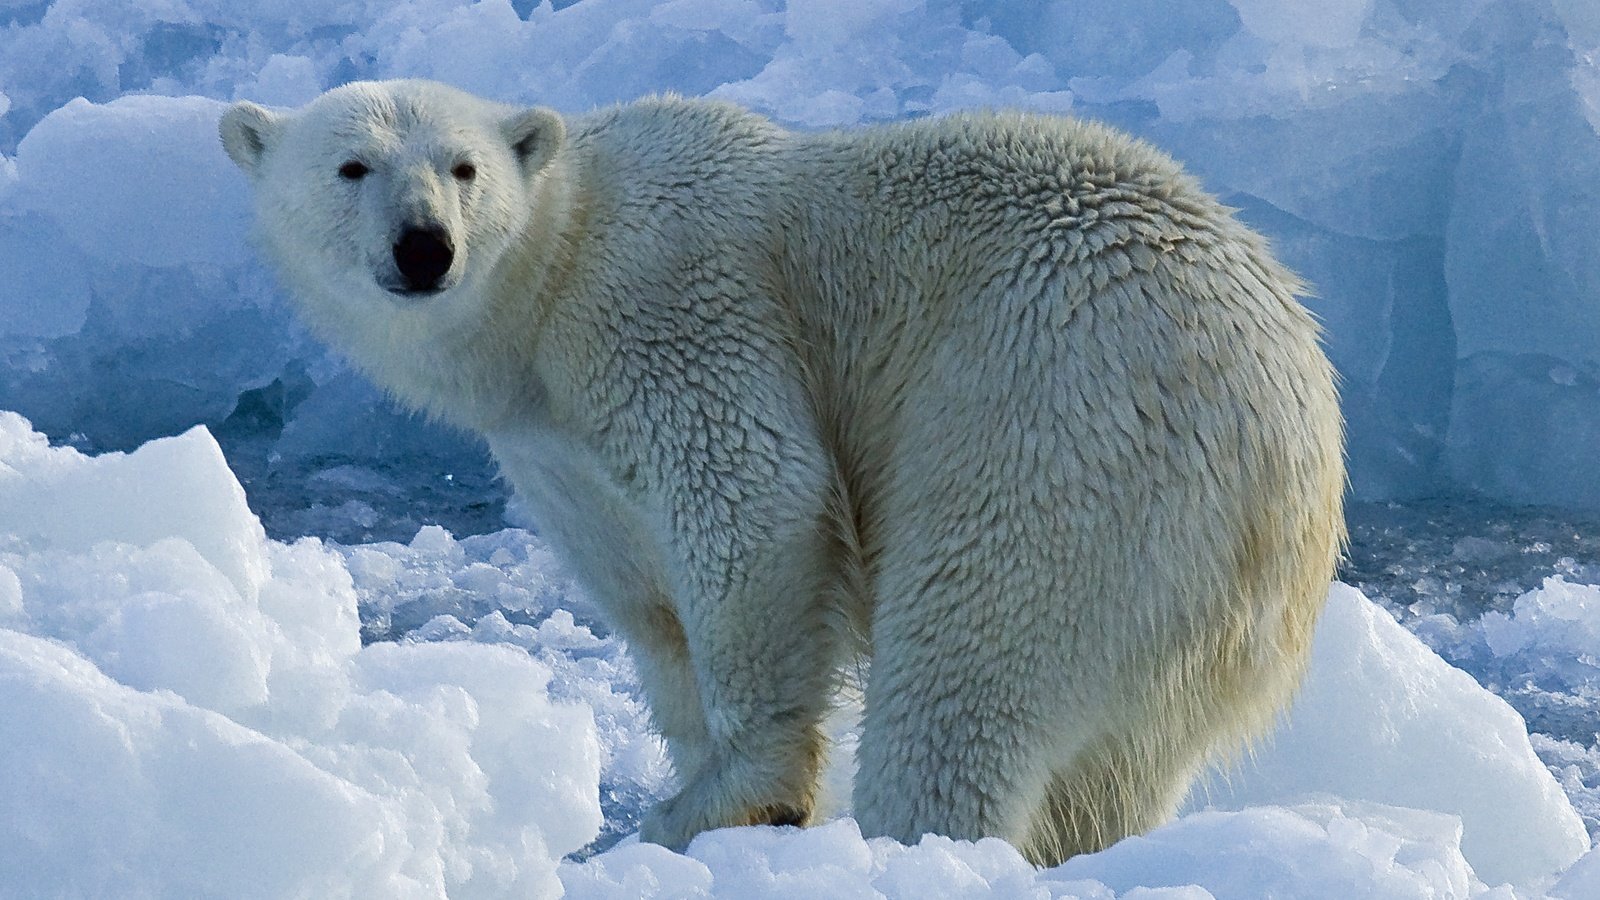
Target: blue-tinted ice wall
1431	166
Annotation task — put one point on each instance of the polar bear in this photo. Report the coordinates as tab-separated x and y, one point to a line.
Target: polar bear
1004	401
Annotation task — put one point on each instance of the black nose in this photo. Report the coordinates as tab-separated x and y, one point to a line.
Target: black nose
423	254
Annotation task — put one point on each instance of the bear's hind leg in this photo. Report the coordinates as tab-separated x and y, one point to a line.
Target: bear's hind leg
963	722
1108	792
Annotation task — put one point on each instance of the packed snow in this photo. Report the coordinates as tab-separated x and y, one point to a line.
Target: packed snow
297	652
190	711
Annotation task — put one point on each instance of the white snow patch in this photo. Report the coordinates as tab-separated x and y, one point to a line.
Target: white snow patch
1381	718
190	711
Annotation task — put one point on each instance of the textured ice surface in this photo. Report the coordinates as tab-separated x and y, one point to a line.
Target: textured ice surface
191	710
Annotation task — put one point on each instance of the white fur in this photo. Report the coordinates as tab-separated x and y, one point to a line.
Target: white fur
1009	393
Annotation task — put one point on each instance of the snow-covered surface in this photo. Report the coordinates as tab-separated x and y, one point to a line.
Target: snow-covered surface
191	711
1430	167
195	704
1309	850
1382	718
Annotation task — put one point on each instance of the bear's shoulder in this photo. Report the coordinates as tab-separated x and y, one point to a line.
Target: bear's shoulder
672	127
665	157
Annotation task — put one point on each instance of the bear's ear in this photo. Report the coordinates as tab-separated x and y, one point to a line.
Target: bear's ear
534	136
247	131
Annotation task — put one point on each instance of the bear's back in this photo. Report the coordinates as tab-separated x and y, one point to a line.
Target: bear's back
915	240
976	196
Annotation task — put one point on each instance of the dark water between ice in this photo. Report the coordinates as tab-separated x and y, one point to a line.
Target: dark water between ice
1458	556
1419	559
1464	557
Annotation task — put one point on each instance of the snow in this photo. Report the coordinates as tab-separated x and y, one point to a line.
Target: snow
191	709
123	792
1382	718
1309	850
201	701
1580	881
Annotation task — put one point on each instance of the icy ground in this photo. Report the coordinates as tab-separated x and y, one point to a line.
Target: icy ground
196	708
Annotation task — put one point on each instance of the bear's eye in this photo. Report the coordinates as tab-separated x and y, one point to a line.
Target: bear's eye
465	171
353	171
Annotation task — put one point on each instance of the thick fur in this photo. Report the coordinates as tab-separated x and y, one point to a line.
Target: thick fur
1009	392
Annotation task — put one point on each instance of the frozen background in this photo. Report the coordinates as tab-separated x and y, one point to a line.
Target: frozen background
198	699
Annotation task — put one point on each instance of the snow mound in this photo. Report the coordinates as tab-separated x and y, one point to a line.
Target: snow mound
190	711
1582	881
1381	718
1308	851
1540	656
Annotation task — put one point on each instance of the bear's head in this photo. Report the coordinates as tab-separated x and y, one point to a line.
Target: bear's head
384	194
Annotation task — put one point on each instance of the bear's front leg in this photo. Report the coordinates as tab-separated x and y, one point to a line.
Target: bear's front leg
762	654
754	583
